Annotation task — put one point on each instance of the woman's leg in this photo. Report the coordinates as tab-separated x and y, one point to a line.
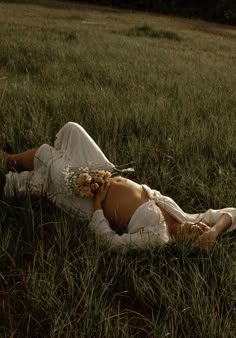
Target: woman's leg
21	161
74	141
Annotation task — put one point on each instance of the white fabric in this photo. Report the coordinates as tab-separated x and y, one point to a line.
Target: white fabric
210	217
147	227
74	147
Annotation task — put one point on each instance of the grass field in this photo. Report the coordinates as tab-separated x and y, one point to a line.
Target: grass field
154	91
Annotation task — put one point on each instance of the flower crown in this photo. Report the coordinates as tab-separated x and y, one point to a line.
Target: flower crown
85	181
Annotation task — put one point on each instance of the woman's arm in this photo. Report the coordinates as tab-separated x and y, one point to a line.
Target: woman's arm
100	196
106	236
223	224
185	230
207	240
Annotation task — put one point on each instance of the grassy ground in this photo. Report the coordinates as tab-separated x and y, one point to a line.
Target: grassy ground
153	90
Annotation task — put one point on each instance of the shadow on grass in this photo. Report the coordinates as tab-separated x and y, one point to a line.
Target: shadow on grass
60	4
43	3
149	32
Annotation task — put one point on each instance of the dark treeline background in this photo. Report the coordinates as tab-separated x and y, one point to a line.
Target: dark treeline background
223	11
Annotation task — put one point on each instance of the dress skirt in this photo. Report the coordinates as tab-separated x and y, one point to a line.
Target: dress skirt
72	147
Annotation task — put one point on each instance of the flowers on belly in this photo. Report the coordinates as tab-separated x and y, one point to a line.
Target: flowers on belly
84	181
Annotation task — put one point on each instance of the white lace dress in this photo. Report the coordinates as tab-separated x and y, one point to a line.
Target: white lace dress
73	147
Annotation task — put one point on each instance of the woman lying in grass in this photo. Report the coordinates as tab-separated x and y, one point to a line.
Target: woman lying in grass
68	174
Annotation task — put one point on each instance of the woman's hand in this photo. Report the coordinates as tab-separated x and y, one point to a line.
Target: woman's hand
100	196
207	240
192	231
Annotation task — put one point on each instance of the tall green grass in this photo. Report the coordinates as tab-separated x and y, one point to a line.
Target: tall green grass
165	105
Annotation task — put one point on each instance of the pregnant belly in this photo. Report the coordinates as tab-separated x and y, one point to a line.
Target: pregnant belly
123	198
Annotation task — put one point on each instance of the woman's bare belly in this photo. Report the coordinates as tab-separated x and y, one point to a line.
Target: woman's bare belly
123	198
